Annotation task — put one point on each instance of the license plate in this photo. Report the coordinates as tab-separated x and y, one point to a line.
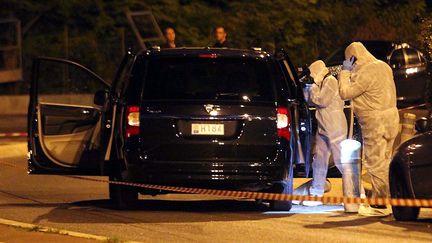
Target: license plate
207	129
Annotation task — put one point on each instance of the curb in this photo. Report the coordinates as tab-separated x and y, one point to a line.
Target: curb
44	229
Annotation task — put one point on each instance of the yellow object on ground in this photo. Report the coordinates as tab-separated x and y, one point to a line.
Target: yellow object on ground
368	211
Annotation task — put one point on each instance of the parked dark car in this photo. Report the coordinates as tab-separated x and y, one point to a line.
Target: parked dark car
411	170
410	68
200	117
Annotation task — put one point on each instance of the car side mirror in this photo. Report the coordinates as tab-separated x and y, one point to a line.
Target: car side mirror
100	97
422	125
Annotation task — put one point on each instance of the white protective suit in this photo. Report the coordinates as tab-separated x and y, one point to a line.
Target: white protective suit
371	87
332	124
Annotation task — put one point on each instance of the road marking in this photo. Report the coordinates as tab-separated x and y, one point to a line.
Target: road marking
45	229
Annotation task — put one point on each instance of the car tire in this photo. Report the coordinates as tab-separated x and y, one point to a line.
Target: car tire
399	189
276	205
405	213
122	197
284	187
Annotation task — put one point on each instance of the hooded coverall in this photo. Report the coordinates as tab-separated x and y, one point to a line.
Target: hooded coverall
371	87
332	124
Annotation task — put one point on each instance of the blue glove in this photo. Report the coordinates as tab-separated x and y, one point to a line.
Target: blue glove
348	64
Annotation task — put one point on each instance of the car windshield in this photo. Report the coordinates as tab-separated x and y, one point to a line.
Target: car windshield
208	79
379	50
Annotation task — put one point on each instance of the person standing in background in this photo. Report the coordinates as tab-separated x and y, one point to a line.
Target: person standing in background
221	38
170	36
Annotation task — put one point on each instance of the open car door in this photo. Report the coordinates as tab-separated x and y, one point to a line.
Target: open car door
302	132
66	129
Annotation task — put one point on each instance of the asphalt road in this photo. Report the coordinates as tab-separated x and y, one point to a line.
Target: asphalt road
82	206
13	123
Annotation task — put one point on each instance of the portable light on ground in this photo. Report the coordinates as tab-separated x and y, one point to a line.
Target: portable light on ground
351	161
350	149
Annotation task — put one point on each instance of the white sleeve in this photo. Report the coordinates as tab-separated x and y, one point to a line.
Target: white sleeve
350	89
324	96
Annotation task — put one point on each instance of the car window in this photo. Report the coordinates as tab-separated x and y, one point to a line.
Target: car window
121	84
60	82
412	56
397	59
209	78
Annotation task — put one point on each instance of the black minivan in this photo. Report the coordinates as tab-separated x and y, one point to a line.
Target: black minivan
198	117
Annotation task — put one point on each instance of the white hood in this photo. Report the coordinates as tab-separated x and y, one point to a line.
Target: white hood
318	70
358	50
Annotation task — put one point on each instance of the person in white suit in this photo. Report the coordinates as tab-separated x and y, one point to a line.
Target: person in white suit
369	83
332	126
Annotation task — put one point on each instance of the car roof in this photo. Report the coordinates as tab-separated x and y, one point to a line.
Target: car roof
197	51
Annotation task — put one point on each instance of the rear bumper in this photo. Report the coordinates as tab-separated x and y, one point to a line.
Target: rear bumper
251	176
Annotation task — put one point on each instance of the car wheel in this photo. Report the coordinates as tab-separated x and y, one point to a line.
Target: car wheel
122	197
281	205
399	189
284	187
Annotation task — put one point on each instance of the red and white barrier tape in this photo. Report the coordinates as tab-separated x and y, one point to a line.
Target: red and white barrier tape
12	134
403	202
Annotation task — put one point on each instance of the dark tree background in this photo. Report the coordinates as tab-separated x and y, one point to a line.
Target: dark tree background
308	29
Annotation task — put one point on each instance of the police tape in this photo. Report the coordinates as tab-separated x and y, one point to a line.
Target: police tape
12	134
401	202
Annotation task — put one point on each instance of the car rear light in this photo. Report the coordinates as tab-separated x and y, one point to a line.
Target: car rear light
283	123
132	126
210	55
